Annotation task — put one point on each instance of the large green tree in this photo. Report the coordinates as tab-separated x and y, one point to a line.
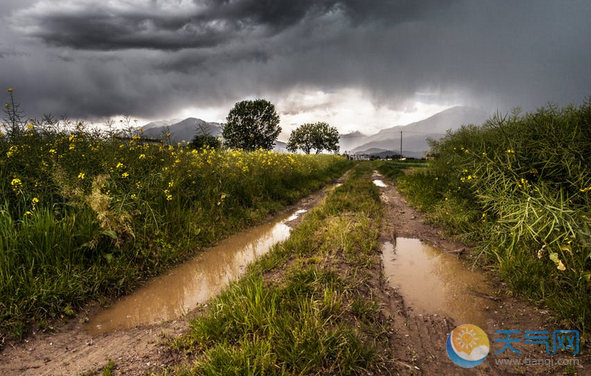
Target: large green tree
252	125
319	136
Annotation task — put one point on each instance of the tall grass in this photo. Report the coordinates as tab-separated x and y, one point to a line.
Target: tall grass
520	185
87	213
305	307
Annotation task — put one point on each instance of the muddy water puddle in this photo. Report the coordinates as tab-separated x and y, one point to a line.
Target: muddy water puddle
434	282
183	288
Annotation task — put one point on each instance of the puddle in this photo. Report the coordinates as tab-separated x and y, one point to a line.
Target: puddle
380	183
181	289
434	282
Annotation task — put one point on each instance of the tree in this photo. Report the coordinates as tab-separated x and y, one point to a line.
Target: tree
252	125
319	136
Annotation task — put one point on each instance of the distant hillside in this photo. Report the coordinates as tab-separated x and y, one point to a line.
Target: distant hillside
351	140
185	130
415	135
387	141
160	124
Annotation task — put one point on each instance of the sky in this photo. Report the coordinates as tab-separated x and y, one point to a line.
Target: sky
357	64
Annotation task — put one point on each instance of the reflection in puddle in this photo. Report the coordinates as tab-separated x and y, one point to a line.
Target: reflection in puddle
380	183
434	282
180	290
295	215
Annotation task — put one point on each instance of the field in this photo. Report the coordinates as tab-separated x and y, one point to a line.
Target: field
519	189
88	214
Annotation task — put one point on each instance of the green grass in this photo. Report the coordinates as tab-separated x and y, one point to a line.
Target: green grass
88	214
395	169
519	187
304	308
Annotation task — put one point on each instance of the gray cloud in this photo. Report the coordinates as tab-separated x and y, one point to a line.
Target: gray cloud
97	26
152	58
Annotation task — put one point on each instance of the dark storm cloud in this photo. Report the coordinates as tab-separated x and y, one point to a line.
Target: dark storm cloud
152	58
210	23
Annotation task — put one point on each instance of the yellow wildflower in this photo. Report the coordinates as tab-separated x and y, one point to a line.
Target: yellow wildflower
81	176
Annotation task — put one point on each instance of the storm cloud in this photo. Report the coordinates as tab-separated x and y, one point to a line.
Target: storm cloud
153	58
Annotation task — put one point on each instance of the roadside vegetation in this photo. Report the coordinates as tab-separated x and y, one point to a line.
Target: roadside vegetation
306	307
519	188
87	214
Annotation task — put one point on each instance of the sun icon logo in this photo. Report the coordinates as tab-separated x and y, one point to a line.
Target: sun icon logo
467	345
466	339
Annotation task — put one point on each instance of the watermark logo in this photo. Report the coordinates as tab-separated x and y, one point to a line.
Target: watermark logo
467	346
565	340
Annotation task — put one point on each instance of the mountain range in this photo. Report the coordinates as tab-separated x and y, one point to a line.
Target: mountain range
414	136
385	142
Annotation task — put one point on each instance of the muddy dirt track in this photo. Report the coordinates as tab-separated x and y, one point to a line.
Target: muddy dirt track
418	338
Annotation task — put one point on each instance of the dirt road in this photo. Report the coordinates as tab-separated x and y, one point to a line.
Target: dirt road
418	338
421	338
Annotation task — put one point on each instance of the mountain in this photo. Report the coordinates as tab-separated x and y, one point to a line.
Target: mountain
415	135
160	124
351	140
183	130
